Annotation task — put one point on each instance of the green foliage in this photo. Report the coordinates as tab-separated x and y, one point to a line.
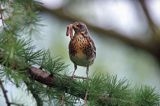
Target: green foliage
17	54
18	51
28	4
103	85
16	77
117	88
146	96
21	16
53	65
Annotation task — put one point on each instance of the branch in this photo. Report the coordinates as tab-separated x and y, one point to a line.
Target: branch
150	21
67	85
70	86
80	77
5	94
52	81
60	82
152	48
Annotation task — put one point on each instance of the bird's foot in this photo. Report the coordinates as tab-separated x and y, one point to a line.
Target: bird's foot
79	77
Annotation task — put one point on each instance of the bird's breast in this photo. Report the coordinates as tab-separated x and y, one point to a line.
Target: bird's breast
77	52
77	46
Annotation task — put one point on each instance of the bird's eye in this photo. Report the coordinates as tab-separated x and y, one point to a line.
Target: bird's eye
79	26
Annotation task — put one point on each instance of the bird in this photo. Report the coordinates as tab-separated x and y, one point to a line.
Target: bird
82	50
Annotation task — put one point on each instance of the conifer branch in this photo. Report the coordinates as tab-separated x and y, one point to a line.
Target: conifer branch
18	59
67	86
71	86
80	77
52	81
104	90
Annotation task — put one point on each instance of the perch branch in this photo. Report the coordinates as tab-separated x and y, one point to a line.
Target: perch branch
62	83
52	81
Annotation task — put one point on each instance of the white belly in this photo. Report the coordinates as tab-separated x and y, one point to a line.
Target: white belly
80	59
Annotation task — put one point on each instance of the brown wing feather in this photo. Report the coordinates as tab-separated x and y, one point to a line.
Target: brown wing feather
90	49
72	48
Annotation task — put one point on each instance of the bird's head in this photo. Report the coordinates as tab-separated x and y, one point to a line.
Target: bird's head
78	27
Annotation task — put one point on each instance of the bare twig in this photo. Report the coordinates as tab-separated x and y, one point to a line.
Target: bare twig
5	94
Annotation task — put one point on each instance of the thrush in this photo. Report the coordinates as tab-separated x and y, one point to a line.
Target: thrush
82	50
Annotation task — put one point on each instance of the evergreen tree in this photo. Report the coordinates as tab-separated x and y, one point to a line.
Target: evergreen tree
21	64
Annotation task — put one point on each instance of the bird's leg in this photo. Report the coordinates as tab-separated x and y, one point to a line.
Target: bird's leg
75	67
87	72
85	98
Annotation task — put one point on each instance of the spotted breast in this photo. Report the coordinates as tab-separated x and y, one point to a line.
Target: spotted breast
82	50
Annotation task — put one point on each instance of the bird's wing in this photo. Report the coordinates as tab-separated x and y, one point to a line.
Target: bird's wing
91	43
69	31
90	49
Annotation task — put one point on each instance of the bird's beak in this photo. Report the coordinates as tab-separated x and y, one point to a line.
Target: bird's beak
69	31
74	27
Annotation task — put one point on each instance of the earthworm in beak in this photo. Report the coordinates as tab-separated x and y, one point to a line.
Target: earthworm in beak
69	31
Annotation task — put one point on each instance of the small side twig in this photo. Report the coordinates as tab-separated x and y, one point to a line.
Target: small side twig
5	94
